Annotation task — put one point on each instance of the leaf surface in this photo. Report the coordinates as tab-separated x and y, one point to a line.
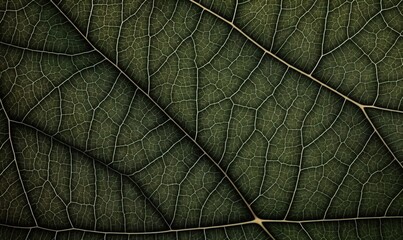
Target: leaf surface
201	119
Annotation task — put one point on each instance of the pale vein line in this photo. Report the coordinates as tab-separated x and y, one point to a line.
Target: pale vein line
30	49
306	232
89	18
384	109
6	168
323	38
379	135
149	49
334	219
393	200
120	30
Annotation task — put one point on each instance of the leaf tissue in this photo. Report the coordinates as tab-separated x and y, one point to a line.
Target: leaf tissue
201	119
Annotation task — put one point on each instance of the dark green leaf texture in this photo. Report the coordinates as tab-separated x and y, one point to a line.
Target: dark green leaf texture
126	119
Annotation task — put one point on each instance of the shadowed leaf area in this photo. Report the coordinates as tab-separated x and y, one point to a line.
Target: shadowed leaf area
128	119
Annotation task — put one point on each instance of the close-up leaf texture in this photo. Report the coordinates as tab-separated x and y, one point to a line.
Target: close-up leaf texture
164	119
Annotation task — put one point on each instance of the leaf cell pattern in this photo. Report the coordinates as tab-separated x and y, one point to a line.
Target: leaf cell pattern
201	119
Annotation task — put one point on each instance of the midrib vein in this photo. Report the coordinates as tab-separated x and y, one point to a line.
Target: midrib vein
208	227
359	105
256	218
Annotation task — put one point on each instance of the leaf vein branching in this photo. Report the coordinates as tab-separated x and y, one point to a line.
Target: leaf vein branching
57	87
297	182
305	231
108	166
310	76
161	109
345	177
16	162
185	134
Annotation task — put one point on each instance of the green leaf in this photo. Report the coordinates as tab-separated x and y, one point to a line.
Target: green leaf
201	119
